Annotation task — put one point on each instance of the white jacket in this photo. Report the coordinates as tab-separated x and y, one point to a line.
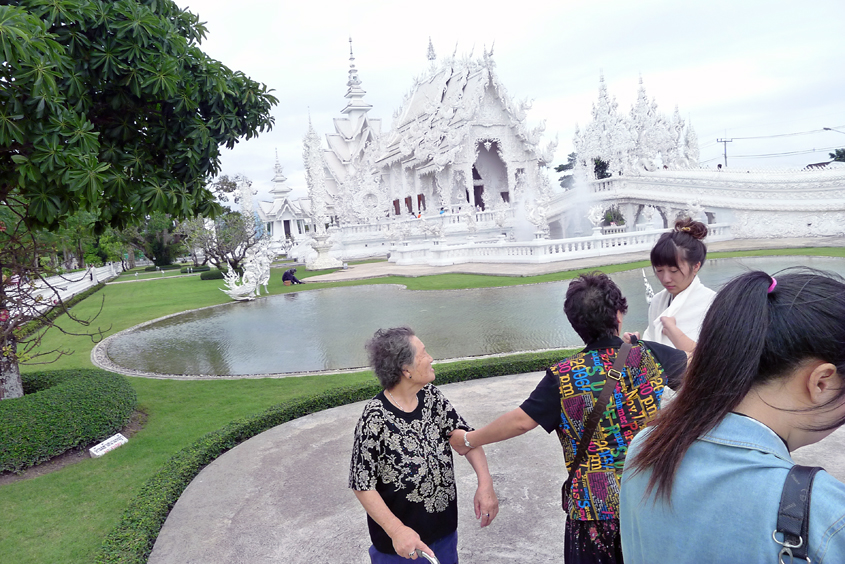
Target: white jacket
688	308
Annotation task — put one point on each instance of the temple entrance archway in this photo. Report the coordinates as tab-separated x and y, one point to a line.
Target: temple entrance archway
489	175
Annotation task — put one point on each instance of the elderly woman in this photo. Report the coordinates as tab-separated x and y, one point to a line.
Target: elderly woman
401	469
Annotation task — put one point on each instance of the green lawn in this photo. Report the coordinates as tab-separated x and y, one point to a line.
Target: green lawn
64	516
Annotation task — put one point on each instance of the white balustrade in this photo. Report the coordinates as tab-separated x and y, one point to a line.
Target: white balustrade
538	251
65	286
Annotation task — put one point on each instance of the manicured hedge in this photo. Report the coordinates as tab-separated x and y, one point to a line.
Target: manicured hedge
133	538
60	410
29	328
165	267
218	274
203	268
212	275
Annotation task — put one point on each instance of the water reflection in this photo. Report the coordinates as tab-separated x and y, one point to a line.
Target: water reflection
326	329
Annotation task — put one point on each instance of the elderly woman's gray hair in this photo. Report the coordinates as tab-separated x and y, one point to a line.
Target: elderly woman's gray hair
390	350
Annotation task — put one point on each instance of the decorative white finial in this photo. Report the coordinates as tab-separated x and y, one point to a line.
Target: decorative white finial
278	166
431	55
353	72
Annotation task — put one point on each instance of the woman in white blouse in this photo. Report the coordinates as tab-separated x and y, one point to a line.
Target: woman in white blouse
676	313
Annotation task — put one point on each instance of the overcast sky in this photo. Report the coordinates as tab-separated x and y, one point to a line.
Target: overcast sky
734	68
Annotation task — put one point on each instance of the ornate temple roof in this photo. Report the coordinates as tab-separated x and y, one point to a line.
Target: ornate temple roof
430	127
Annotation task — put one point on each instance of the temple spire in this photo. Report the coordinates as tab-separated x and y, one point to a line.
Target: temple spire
355	94
353	72
279	179
431	55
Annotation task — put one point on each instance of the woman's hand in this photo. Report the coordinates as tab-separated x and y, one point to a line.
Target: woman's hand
486	503
678	337
627	336
669	325
406	541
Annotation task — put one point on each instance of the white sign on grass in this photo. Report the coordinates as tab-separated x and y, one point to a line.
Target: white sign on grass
109	444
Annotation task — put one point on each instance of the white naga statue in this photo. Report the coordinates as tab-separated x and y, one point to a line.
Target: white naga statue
239	288
256	273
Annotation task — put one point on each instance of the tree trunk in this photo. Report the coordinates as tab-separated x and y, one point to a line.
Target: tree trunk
10	374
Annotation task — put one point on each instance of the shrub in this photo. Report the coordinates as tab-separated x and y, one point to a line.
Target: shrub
218	274
165	267
133	538
61	410
212	275
204	268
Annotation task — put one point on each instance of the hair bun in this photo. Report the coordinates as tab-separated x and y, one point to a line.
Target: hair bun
695	229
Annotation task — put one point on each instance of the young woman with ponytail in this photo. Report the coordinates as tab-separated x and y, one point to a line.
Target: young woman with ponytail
675	314
703	483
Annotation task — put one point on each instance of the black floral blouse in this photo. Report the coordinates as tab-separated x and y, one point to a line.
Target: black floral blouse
407	459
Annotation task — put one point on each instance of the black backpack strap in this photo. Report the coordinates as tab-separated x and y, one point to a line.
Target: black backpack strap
613	378
794	514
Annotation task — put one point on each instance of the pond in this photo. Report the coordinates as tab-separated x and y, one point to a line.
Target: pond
326	329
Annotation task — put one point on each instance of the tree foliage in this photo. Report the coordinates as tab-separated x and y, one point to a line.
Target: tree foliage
839	155
112	107
225	241
157	238
600	168
567	180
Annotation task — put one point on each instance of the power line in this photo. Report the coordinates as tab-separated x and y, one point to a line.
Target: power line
769	155
790	134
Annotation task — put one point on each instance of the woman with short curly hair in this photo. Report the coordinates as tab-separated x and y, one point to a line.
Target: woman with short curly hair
401	469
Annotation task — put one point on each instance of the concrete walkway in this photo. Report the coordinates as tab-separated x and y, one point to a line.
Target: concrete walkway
282	496
376	269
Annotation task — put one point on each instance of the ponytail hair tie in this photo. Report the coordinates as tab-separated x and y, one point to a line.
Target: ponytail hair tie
773	285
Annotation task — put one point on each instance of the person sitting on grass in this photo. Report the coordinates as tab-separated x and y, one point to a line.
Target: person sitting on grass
289	277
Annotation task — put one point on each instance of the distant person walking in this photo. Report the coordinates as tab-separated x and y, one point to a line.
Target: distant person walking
289	277
704	482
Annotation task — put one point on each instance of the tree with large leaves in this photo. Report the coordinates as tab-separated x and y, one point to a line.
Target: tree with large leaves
157	238
111	107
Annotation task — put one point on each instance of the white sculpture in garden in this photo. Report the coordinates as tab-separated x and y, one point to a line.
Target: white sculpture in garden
256	265
315	166
239	288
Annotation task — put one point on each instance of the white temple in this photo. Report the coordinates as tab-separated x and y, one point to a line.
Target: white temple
655	177
458	163
285	219
459	177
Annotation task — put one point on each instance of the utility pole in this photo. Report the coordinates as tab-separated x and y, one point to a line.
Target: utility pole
725	141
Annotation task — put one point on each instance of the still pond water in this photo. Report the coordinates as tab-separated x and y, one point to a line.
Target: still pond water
326	329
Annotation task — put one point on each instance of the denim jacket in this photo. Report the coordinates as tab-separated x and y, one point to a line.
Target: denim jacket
724	503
